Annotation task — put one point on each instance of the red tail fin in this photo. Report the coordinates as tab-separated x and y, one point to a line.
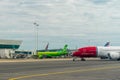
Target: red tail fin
46	48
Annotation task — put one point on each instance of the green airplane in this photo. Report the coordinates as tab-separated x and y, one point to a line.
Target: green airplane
49	54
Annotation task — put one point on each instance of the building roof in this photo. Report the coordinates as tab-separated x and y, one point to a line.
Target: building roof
10	44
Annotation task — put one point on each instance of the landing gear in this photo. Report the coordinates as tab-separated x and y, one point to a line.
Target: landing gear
82	59
118	59
74	58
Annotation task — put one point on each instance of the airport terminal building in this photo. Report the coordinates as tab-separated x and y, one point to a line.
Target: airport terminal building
9	49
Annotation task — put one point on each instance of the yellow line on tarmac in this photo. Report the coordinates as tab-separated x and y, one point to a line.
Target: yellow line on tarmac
64	72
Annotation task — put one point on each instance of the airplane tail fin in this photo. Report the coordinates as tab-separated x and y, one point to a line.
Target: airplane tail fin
107	44
46	48
65	49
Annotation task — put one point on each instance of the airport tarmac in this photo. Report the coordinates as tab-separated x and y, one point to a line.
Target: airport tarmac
61	70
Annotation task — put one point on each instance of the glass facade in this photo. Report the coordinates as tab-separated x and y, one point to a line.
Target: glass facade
2	46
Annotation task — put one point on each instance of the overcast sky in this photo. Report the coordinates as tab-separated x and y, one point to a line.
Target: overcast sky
73	22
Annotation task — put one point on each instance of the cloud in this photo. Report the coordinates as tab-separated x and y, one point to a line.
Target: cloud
79	19
100	1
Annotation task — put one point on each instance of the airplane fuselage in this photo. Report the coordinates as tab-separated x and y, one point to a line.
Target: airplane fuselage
50	54
53	53
112	52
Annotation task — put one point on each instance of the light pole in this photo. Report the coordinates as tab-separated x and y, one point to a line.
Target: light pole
36	41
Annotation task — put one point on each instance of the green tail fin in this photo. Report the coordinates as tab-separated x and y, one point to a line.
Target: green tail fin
65	49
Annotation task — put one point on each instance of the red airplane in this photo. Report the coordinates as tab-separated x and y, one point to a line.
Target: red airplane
104	52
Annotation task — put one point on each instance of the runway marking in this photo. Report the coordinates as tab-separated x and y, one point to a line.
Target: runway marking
32	60
64	72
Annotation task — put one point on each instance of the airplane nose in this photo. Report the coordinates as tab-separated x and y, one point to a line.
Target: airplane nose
74	53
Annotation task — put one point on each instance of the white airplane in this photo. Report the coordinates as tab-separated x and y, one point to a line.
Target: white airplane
104	52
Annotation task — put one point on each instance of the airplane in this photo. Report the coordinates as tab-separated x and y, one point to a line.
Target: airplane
44	54
104	52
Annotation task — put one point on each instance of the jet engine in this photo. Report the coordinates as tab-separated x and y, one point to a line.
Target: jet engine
114	55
